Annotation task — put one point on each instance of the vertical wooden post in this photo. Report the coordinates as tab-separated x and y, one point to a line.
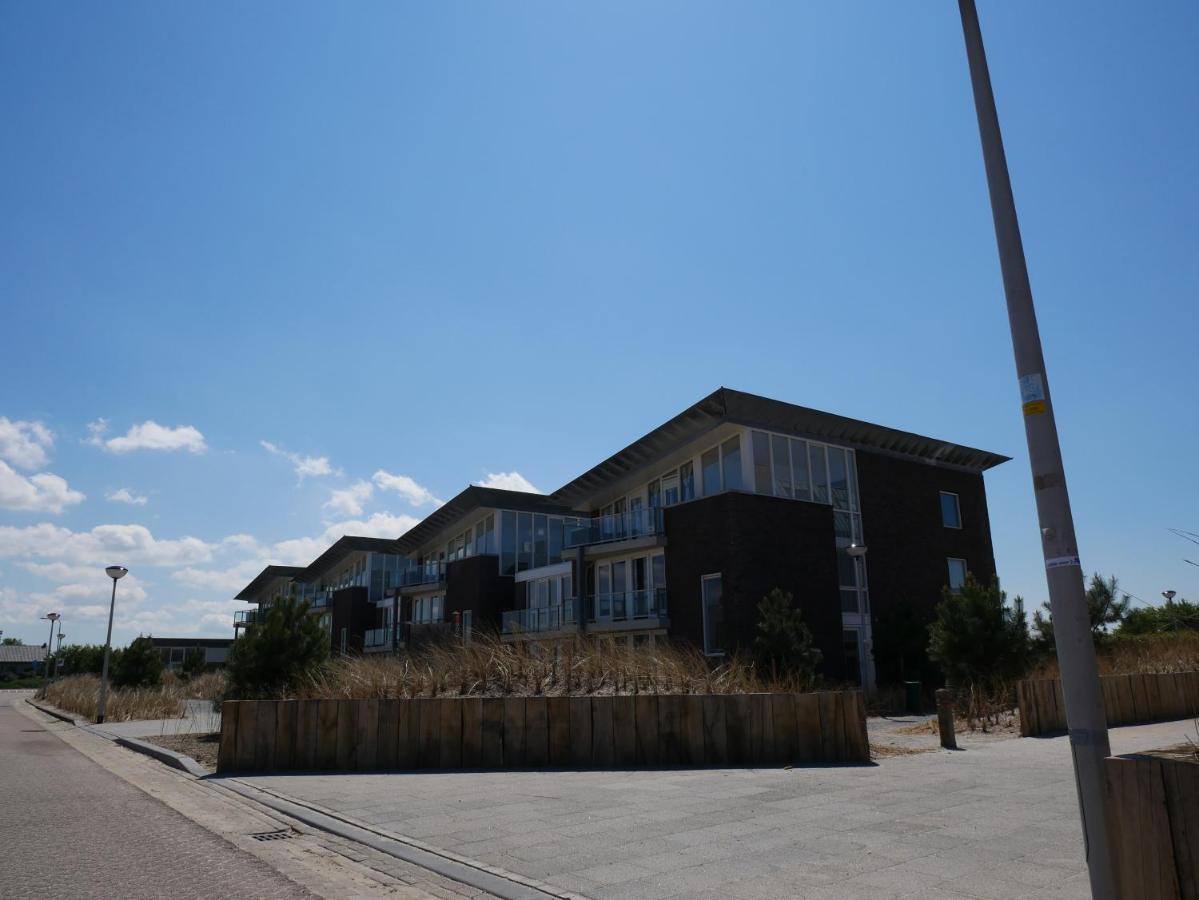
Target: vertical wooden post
945	719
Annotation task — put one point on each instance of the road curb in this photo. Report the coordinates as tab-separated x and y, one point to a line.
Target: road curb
162	754
498	882
56	712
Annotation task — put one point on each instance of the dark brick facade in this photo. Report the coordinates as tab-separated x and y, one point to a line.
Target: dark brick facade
757	544
475	584
352	611
907	551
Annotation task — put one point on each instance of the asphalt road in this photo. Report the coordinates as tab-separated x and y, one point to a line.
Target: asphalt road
69	828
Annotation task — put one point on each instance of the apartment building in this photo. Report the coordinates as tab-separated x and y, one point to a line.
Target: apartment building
680	534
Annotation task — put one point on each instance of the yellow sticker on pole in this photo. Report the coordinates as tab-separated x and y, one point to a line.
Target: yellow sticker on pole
1032	394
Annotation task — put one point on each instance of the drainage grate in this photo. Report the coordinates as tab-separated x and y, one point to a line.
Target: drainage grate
281	835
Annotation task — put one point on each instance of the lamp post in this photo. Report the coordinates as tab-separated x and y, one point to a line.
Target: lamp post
58	652
116	573
1085	716
53	617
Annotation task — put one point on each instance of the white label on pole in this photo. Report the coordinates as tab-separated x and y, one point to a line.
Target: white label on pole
1032	388
1060	561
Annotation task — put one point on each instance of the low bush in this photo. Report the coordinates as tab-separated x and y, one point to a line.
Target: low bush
139	665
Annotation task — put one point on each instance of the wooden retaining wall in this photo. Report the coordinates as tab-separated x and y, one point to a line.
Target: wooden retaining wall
1127	700
1153	825
531	732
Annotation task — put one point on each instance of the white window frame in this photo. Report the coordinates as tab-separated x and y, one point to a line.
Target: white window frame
703	580
957	502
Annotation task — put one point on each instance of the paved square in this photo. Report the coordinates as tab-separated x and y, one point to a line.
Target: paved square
998	819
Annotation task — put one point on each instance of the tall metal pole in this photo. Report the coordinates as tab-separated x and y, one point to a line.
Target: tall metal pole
1067	595
53	617
103	704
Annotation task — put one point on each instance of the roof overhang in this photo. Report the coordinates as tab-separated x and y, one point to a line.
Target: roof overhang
342	548
753	411
473	498
263	578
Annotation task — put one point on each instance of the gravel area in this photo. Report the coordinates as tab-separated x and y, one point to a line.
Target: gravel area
200	747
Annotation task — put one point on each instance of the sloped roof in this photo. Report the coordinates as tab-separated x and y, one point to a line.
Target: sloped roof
727	405
342	548
476	497
250	591
21	653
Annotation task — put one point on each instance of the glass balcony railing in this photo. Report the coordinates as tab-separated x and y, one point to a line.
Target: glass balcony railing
601	609
429	573
616	527
248	616
377	637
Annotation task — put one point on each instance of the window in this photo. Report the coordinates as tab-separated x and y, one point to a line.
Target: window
799	469
951	510
556	536
838	476
711	593
524	541
762	476
709	466
853	655
540	541
957	574
686	482
507	543
730	453
781	481
819	474
654	492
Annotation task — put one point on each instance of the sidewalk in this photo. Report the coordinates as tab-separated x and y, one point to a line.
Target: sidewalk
996	820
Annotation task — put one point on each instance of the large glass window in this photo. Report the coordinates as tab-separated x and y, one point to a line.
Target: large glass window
762	474
819	474
838	478
654	492
686	482
658	564
507	543
781	475
524	541
730	452
555	540
709	465
957	573
951	511
712	596
541	539
799	469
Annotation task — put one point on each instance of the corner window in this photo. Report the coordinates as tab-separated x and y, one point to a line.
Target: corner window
957	573
762	475
709	466
951	510
686	483
712	594
730	452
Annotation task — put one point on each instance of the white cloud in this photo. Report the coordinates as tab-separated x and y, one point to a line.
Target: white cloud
24	444
128	545
380	524
148	435
349	501
508	481
305	466
124	495
43	492
415	494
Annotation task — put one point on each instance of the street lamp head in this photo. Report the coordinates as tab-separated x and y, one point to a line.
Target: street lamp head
1169	595
115	572
52	616
857	551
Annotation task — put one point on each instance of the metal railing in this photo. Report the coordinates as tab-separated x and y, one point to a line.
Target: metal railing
615	527
601	609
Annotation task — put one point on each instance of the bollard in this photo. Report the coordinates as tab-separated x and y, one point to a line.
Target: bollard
945	719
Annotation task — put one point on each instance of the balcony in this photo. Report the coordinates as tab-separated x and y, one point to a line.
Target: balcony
377	638
429	573
619	611
244	617
617	527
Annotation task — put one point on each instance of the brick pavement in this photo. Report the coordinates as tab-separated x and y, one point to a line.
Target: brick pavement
996	820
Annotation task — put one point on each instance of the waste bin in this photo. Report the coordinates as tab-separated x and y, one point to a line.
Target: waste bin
912	693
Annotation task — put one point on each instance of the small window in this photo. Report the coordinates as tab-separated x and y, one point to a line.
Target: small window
957	574
951	510
712	594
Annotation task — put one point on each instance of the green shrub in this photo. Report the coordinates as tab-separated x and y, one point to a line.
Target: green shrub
783	644
1105	606
977	638
1180	615
84	659
139	665
277	653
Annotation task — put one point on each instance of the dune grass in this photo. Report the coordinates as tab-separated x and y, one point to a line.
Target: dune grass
81	693
1150	654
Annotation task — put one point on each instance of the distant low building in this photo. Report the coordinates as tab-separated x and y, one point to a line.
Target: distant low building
174	650
21	659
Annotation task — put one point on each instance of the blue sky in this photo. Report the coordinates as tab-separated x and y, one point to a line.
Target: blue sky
448	241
